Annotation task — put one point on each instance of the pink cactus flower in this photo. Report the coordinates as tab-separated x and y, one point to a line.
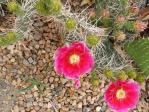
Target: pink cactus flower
73	61
140	25
105	13
134	9
122	95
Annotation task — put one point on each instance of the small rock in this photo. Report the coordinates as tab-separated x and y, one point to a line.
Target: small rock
35	103
40	104
14	82
49	105
12	60
25	62
3	85
98	109
38	24
37	46
42	42
4	69
74	102
1	58
16	108
37	36
51	79
30	60
29	104
61	110
103	109
35	94
63	80
80	105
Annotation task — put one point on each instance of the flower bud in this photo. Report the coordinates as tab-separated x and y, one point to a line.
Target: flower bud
70	24
105	13
92	40
13	6
122	76
94	79
120	19
41	7
108	73
11	37
140	78
140	25
131	73
120	36
55	5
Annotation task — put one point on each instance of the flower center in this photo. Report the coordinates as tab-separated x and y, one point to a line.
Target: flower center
120	93
74	59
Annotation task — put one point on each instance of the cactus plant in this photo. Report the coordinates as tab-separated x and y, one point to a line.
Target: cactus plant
107	57
139	52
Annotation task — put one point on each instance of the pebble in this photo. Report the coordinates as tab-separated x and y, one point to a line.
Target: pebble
3	85
36	46
36	94
74	102
1	58
51	79
37	36
63	80
40	104
12	60
49	105
103	108
80	105
16	108
29	104
98	109
25	62
30	60
38	24
35	103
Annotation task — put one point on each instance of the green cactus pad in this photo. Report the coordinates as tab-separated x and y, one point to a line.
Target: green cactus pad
139	52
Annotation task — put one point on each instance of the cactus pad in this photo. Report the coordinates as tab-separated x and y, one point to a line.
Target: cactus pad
139	52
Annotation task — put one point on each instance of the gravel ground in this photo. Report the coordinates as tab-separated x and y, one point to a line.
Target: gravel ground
33	60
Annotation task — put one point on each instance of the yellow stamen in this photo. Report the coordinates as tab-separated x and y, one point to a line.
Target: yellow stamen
74	59
120	93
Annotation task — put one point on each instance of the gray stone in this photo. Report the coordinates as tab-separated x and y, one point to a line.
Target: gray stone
38	24
103	109
25	62
3	85
37	36
30	60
